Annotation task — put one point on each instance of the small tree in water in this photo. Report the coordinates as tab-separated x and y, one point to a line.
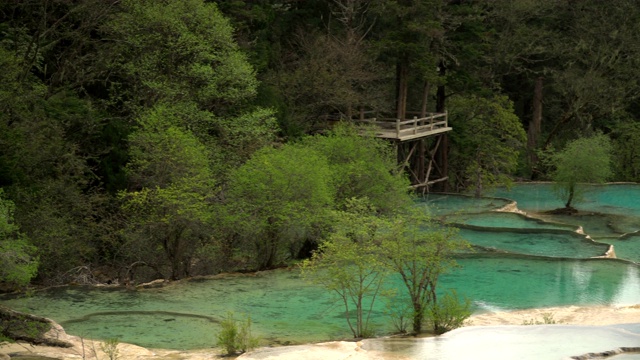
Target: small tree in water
365	247
235	335
585	160
349	263
421	249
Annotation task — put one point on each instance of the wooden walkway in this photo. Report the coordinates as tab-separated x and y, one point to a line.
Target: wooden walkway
408	129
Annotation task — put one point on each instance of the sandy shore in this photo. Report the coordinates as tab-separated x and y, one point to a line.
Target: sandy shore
87	349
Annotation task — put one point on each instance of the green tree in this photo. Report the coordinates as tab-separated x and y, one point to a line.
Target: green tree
584	160
553	43
407	35
487	141
177	51
237	138
277	199
450	312
420	250
18	264
183	53
169	206
626	151
349	263
327	76
362	167
47	143
235	336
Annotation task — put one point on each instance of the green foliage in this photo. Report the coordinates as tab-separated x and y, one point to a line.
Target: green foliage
169	208
163	152
349	262
237	138
626	152
449	312
48	145
584	160
583	89
362	167
327	75
487	141
235	335
276	200
281	197
364	247
547	319
178	51
420	249
18	264
110	348
398	309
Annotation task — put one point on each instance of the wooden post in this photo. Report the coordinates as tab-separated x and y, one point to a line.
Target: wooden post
420	171
398	128
444	156
415	124
361	113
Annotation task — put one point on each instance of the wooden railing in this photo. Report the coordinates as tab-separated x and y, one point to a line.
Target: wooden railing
407	128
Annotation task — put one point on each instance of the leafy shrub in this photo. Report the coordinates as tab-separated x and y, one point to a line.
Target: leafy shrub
110	348
547	319
449	312
399	310
235	335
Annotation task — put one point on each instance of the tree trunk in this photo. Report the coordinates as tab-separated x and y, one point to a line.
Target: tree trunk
421	172
440	92
359	317
572	190
420	168
402	86
173	249
535	124
418	316
443	149
268	247
478	192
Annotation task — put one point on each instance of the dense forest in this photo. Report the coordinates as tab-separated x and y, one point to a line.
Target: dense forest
171	138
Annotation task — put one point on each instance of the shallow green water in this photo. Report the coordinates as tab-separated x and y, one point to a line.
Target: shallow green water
533	264
444	204
285	309
541	243
506	220
626	247
610	198
610	209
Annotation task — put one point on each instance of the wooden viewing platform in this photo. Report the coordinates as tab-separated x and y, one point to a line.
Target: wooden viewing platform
408	129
